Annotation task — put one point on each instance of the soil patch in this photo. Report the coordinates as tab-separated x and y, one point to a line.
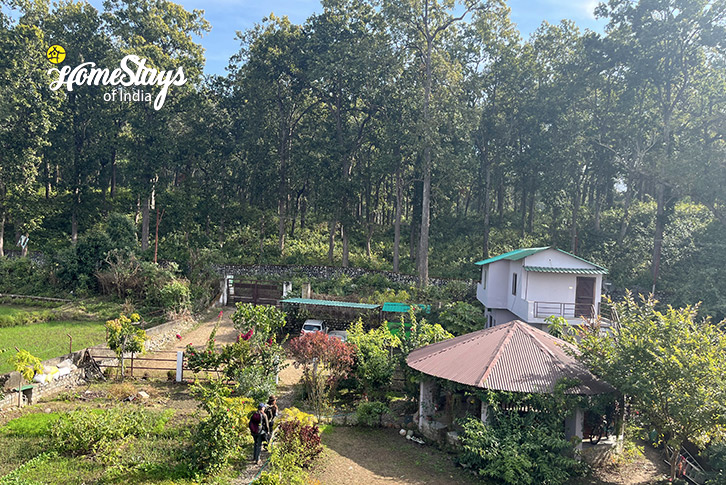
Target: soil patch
382	456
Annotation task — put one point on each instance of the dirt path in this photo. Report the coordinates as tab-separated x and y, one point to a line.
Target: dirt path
382	456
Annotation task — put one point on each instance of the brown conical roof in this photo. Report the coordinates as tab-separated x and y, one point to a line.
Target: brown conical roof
511	357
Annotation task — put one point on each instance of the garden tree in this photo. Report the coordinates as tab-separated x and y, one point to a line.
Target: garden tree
350	64
123	336
670	364
460	318
268	72
428	29
84	132
26	108
161	32
325	360
374	360
668	44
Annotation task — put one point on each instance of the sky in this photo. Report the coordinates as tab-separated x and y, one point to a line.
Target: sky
229	16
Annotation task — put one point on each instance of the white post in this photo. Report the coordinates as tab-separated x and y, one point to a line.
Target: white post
179	365
425	401
484	412
573	425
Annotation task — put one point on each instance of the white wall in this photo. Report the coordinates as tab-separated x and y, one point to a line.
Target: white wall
555	259
495	293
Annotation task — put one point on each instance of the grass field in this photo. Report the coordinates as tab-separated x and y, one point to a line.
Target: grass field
48	340
10	310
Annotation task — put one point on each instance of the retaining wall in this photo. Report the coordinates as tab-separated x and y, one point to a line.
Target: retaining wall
322	272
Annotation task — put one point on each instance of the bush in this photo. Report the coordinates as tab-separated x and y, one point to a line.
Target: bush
460	318
26	318
224	432
89	431
369	413
121	231
175	296
516	449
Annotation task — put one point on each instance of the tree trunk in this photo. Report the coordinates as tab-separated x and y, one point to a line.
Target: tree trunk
145	223
397	223
626	211
344	234
573	224
74	227
660	220
487	210
113	173
2	234
423	246
332	226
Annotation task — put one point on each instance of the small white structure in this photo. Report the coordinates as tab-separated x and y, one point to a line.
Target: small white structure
532	284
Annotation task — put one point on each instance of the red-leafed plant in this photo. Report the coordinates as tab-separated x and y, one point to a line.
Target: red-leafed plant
325	360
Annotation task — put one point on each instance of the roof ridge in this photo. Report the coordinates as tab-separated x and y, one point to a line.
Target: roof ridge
543	348
495	358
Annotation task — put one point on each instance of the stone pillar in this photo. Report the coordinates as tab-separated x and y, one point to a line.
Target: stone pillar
573	425
484	412
179	366
306	291
425	401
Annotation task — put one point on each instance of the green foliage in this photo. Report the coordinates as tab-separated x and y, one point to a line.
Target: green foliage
461	317
123	337
223	434
369	413
519	449
89	431
34	424
121	232
669	363
265	320
175	296
374	360
23	276
26	363
296	446
26	318
557	326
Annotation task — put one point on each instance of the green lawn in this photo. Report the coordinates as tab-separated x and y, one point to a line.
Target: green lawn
10	310
48	340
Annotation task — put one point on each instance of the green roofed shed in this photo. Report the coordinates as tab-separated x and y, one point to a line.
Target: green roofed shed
332	303
395	307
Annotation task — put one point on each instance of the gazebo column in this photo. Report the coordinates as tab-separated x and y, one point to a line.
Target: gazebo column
426	403
573	425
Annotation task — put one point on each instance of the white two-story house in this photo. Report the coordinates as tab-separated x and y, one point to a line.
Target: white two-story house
531	284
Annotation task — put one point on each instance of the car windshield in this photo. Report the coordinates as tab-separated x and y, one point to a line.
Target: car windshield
311	327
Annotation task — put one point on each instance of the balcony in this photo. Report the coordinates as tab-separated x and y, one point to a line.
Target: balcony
544	309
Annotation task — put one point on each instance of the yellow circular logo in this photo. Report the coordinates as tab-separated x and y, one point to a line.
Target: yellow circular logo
55	54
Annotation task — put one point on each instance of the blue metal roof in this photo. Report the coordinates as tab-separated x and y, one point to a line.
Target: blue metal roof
518	254
395	307
333	303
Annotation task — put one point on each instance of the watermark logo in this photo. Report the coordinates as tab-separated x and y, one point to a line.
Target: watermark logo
132	72
55	54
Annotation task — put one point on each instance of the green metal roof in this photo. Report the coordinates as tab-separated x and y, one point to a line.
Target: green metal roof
515	255
518	254
545	269
333	303
395	307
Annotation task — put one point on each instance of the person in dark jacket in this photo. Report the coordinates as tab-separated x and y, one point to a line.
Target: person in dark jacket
271	410
260	428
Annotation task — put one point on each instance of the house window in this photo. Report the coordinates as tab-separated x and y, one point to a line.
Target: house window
514	284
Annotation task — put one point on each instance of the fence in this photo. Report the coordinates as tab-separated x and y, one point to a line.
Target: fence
174	362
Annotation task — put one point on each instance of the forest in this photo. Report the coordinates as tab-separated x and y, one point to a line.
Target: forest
416	136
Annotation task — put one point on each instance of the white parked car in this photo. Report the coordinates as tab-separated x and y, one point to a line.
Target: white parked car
311	326
340	334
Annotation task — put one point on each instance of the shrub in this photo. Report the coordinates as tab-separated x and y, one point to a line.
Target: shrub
26	363
88	431
175	296
121	231
224	432
297	435
124	337
369	413
516	449
460	318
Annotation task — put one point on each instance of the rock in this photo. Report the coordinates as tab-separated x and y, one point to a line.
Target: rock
143	395
339	420
47	411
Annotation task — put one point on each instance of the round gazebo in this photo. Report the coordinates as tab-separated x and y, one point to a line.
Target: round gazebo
512	357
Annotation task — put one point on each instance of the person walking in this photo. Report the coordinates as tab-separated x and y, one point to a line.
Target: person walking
271	410
260	428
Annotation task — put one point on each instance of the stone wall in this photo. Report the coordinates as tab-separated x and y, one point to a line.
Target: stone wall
165	333
322	272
